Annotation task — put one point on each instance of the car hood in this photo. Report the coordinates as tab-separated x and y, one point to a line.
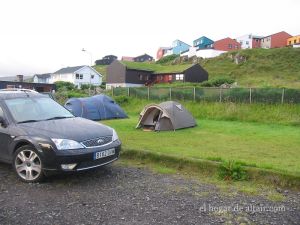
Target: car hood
77	129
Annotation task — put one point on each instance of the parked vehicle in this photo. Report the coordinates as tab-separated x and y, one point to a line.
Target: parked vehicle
37	135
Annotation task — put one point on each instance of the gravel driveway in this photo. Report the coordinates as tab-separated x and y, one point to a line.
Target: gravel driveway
123	195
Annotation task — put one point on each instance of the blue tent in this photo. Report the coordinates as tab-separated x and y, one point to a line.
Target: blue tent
98	107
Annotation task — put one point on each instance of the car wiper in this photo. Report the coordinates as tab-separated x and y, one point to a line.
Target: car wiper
29	121
59	117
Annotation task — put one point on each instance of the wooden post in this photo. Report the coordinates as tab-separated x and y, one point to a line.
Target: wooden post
194	94
128	91
170	94
250	95
220	90
148	92
282	96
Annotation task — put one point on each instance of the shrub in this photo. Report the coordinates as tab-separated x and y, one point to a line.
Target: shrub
63	85
231	170
217	82
121	99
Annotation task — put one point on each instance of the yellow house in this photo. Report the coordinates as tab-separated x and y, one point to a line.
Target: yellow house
293	40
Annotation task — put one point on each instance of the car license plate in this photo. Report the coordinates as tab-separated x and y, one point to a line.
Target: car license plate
103	154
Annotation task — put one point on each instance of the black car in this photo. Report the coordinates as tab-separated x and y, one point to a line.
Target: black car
38	135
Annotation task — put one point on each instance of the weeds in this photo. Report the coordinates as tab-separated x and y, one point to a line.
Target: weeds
231	170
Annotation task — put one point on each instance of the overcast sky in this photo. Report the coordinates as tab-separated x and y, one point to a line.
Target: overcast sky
40	36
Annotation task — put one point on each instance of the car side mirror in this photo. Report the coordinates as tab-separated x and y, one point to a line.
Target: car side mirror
3	122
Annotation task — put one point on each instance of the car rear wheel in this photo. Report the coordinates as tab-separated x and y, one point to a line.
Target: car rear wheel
28	164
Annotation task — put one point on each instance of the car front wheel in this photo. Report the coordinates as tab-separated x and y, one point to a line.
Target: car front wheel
28	164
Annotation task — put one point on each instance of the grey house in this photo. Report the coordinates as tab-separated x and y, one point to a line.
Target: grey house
42	78
143	58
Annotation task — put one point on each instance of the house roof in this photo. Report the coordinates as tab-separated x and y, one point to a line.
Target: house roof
182	42
14	78
143	56
156	68
277	33
68	69
127	58
202	37
43	76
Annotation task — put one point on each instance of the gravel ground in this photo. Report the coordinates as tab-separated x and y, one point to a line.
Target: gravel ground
117	194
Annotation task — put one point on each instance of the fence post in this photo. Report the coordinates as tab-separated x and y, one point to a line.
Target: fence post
148	93
112	91
128	91
250	95
282	96
220	90
194	94
170	94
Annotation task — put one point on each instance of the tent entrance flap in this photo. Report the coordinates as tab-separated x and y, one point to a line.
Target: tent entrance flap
150	118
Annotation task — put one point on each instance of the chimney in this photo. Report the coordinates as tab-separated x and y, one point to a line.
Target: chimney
20	78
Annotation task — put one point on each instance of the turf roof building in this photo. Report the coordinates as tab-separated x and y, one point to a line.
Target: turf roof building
132	74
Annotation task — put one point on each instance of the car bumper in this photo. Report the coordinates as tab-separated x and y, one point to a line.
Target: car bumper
83	158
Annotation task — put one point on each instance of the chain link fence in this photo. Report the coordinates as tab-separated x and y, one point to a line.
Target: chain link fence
241	95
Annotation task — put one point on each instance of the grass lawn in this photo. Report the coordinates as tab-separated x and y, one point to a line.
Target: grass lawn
274	147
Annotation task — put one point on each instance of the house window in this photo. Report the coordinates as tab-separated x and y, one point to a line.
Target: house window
170	77
80	76
77	76
295	41
230	46
236	47
247	42
92	76
140	77
147	77
179	76
290	42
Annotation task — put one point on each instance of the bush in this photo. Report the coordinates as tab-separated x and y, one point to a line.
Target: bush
167	59
231	170
217	82
63	85
121	99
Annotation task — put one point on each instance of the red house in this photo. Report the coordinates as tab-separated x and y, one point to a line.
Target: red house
277	40
161	52
226	44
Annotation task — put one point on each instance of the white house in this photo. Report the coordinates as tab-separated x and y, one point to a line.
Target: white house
42	78
77	75
249	41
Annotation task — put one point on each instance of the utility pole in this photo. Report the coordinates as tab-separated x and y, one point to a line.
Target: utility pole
91	64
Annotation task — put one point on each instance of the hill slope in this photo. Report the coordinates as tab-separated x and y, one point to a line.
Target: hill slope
262	68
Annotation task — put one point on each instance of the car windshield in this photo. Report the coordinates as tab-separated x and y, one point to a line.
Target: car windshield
36	109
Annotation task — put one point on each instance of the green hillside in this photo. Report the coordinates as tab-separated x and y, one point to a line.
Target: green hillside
261	68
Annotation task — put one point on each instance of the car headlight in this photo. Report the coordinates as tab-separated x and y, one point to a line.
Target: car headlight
64	144
115	136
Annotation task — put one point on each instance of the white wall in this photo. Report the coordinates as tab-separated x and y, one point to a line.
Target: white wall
245	40
86	72
68	77
209	53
